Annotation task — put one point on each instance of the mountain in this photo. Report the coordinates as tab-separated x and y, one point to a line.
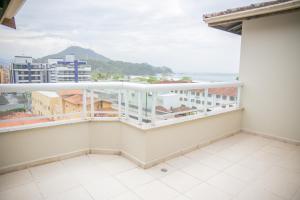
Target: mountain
101	63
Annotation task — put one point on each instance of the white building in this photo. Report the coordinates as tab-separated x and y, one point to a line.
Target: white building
68	70
217	97
23	70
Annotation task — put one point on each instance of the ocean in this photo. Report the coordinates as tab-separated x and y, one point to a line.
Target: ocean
211	77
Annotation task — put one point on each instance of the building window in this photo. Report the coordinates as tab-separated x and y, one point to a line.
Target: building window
209	95
198	94
192	100
180	98
181	91
232	98
193	93
218	96
209	103
198	101
224	97
217	104
185	99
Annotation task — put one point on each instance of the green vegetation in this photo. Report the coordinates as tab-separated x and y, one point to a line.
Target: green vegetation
103	64
97	76
186	78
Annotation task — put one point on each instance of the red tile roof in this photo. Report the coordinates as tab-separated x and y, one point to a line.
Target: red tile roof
20	115
69	92
227	91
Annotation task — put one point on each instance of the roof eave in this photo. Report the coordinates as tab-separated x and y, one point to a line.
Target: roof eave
236	18
8	17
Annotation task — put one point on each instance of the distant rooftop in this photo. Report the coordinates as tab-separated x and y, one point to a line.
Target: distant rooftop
231	20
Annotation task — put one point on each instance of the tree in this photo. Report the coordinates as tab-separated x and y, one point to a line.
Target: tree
186	78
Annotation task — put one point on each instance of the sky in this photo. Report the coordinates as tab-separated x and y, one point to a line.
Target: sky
159	32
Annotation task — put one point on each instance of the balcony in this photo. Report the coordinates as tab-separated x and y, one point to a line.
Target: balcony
122	141
242	166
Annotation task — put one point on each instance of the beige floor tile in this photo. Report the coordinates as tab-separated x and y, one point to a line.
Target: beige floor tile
157	171
48	170
77	193
243	173
77	163
232	155
216	162
91	174
180	162
198	154
105	188
15	179
180	181
134	177
256	193
200	171
207	192
102	158
227	183
23	192
181	197
280	182
156	190
126	196
118	165
52	187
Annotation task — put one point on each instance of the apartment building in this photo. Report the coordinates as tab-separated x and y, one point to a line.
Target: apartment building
23	70
4	75
46	103
68	70
54	104
216	97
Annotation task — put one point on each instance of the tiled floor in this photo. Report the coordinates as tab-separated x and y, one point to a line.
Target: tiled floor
242	167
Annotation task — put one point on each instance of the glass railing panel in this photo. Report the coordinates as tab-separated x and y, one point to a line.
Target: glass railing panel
24	108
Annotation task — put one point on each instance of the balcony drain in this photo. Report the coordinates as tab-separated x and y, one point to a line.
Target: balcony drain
164	170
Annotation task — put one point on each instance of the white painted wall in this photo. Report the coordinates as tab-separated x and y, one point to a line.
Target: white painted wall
270	71
31	145
146	147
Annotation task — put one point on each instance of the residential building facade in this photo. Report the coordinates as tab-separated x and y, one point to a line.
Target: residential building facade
4	75
68	70
23	70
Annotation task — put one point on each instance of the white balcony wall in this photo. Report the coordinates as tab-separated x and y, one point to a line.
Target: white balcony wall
29	147
269	69
20	149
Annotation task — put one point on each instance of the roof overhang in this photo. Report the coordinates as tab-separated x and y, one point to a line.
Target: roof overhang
231	19
8	11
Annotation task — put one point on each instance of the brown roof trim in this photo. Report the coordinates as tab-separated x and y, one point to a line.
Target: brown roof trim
231	19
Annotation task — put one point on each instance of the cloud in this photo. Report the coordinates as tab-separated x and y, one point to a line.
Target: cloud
168	32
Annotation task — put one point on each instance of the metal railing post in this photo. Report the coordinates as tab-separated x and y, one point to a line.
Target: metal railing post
140	108
119	104
84	104
126	104
205	100
153	108
238	97
92	104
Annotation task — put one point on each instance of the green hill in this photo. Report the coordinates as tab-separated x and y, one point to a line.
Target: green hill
103	64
